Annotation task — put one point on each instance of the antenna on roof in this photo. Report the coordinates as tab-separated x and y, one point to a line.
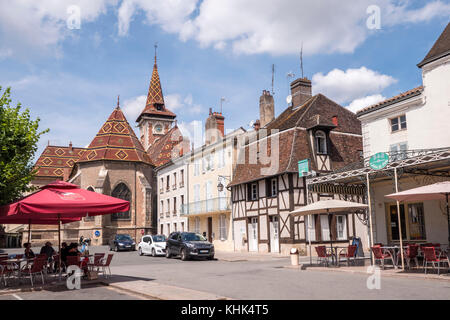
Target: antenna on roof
156	47
222	100
301	59
273	76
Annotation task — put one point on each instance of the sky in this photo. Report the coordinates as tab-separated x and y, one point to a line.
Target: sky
69	60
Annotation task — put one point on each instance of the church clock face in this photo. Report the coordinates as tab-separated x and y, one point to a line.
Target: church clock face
158	128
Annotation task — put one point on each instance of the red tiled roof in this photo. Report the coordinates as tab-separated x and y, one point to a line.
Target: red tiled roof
54	160
164	149
155	99
116	140
387	102
441	48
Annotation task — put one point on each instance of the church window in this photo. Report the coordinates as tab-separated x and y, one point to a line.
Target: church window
121	191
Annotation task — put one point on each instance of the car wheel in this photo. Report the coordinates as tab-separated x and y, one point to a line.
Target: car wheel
168	255
211	257
153	252
140	251
184	255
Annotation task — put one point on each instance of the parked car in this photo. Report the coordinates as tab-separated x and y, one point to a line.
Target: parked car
122	242
152	244
188	245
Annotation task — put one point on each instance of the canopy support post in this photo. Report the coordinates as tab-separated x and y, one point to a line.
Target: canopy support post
369	200
309	222
59	245
29	231
399	220
448	218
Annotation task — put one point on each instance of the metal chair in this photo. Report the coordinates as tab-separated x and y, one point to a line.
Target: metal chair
322	255
382	255
348	253
36	268
97	261
410	253
105	265
430	257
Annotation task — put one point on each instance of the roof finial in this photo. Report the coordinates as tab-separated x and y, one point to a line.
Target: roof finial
118	101
156	47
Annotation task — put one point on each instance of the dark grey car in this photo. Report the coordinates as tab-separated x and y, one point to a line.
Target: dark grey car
122	242
188	245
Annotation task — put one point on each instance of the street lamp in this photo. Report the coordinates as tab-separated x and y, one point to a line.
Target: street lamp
220	185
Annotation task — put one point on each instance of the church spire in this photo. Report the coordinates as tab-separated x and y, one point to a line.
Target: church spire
155	96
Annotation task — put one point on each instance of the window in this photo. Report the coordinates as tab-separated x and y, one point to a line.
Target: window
161	188
182	227
175	226
311	227
174	206
321	142
168	183
253	191
197	225
196	167
325	227
182	178
162	208
162	229
168	208
273	187
174	180
121	191
416	221
89	218
223	227
398	123
398	151
341	227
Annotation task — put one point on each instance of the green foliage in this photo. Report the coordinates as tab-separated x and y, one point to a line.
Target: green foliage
18	142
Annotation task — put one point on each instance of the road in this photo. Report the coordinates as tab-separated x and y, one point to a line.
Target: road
269	279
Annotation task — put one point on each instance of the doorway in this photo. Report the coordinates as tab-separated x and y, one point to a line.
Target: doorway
210	229
253	235
274	235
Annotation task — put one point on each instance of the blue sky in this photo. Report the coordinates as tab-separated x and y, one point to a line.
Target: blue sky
208	49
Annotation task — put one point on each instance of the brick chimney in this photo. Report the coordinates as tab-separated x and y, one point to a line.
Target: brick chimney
301	91
257	125
266	108
214	127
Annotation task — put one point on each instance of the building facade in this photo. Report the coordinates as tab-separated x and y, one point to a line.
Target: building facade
266	184
411	131
172	190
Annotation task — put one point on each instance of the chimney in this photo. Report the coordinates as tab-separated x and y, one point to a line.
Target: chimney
266	108
214	127
70	146
257	125
301	91
334	119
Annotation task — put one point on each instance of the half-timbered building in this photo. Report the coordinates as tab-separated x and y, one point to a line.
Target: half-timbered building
267	186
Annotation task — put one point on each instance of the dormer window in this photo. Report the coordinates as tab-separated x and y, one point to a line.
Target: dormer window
321	142
398	123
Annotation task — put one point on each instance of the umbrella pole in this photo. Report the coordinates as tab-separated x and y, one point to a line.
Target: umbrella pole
329	229
448	218
310	217
399	220
370	219
59	245
29	231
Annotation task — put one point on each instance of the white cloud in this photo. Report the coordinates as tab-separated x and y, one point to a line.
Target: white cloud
361	103
275	27
344	86
193	130
175	102
42	25
132	108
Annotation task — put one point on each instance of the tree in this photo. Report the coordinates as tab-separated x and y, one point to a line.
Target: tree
18	142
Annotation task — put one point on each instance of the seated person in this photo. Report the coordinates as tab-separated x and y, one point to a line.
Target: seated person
48	250
63	253
72	250
28	252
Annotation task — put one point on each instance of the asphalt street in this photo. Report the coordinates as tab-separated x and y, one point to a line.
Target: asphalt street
266	279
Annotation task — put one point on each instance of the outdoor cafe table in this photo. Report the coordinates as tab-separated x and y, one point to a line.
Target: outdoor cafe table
335	254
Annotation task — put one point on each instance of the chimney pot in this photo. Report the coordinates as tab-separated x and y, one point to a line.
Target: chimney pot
335	120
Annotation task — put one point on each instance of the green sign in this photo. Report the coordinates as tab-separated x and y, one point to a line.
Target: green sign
303	167
379	160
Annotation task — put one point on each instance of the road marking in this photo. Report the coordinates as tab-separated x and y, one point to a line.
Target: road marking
17	297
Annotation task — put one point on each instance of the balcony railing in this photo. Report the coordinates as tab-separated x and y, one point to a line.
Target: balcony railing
206	206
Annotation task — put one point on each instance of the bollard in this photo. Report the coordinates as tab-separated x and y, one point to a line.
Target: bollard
294	256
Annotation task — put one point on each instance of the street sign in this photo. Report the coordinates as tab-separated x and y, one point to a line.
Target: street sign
97	233
379	160
303	167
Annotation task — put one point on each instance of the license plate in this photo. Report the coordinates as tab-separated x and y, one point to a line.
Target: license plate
203	251
128	246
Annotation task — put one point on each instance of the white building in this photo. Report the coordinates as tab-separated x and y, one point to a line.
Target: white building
172	196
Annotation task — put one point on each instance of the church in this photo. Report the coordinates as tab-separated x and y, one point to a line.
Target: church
116	163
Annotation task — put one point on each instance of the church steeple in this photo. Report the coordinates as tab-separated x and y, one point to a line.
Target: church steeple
155	120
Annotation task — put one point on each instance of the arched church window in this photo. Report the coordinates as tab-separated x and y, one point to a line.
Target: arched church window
121	191
321	142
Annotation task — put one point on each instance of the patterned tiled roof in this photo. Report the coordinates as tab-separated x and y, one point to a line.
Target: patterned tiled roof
440	48
55	159
116	140
387	102
163	150
155	99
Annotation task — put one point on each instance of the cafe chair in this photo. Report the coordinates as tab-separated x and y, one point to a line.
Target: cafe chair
322	255
36	268
382	255
98	263
6	272
431	257
348	253
104	267
409	254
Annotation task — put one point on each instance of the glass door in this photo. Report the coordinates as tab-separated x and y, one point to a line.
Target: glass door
394	225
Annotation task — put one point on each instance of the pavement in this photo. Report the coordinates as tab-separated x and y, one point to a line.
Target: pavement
251	276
